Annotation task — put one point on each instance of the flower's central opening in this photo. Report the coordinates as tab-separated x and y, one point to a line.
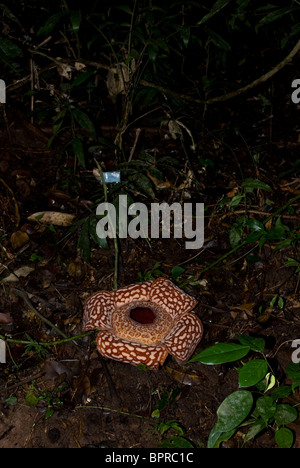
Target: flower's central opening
142	315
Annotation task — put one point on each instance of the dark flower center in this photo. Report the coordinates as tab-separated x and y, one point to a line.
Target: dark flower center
142	315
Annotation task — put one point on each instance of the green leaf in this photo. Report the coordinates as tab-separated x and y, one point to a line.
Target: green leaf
293	371
265	408
256	225
274	15
82	78
234	410
216	437
281	392
255	428
12	400
84	244
76	20
252	184
49	412
143	182
102	242
152	52
285	414
9	48
124	8
255	343
252	372
176	272
31	398
51	23
185	32
218	40
291	262
78	150
84	121
221	353
176	442
284	437
218	6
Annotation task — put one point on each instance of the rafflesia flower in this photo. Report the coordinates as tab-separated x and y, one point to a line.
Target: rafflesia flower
143	323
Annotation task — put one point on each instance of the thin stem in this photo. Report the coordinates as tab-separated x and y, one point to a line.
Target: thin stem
104	408
116	247
47	343
24	296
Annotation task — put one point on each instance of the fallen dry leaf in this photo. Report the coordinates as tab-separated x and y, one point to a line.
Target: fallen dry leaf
17	274
5	318
18	239
52	217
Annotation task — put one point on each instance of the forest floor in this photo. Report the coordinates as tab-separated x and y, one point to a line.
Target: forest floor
64	399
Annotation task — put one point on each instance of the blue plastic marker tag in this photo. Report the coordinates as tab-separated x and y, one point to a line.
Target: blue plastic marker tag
112	177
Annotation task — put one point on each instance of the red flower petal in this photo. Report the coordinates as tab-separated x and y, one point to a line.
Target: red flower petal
171	298
133	292
185	336
128	351
98	311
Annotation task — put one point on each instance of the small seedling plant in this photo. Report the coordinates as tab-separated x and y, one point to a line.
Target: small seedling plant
258	402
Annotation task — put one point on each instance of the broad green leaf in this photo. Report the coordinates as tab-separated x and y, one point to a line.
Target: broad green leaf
84	121
234	410
222	353
9	48
216	437
284	437
265	408
285	414
254	237
218	6
252	372
256	344
281	392
79	151
254	429
51	23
